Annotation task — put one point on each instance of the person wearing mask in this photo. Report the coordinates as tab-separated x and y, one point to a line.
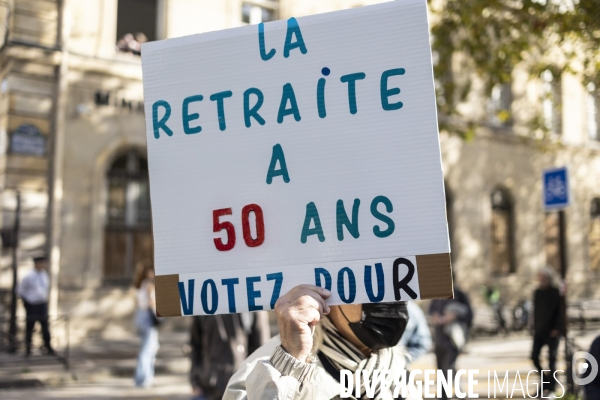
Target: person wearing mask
34	290
417	337
146	323
547	324
219	345
316	342
452	320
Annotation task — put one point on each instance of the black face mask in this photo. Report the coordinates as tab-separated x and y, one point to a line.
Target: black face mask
381	325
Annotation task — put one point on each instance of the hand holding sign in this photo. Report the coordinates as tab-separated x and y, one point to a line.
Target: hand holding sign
298	312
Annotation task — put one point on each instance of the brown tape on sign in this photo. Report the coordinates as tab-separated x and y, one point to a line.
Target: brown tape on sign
435	276
167	295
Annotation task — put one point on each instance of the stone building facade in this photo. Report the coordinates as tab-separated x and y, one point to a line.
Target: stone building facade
72	142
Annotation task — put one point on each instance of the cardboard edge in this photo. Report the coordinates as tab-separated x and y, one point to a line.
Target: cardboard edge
167	295
435	276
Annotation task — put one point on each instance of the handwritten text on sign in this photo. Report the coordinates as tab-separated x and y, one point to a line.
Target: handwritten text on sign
387	280
290	147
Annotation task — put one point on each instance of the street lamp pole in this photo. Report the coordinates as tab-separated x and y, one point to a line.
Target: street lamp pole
562	240
56	161
13	295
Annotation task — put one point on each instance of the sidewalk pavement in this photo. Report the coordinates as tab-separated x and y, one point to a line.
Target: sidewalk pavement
506	354
104	369
101	369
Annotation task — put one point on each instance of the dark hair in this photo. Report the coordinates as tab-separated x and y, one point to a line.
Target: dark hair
142	269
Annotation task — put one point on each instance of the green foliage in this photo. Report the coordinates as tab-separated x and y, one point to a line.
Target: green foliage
492	36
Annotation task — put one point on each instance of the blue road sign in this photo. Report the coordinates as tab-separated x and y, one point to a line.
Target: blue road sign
556	188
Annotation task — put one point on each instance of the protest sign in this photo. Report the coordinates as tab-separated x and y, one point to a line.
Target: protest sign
298	151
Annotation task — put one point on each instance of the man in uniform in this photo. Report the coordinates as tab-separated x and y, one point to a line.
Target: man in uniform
34	290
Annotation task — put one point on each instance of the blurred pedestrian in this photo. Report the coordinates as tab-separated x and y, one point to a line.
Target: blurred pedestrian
219	345
416	337
452	320
491	294
592	389
547	324
146	323
34	291
521	313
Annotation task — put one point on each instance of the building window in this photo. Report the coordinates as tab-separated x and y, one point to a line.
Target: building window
555	241
552	103
499	105
594	238
503	260
593	112
255	12
128	233
136	23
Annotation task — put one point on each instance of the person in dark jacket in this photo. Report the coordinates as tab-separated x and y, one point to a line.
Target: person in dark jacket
452	320
547	324
219	345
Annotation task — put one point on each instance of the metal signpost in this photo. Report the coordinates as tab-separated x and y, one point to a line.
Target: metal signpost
556	188
556	197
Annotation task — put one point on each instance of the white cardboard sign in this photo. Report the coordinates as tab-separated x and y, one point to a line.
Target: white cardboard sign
298	151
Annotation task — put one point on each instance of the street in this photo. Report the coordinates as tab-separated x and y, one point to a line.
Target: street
104	370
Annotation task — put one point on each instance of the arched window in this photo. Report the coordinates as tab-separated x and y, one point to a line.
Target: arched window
128	234
502	255
594	238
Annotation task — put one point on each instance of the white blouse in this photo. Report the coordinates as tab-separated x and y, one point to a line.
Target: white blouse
143	297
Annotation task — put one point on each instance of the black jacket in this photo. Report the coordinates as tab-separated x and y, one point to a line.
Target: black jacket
219	345
439	307
546	311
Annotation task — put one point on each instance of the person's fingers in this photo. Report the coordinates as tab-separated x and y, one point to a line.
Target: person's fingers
299	320
314	317
320	294
307	300
310	298
321	291
306	317
290	311
295	298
